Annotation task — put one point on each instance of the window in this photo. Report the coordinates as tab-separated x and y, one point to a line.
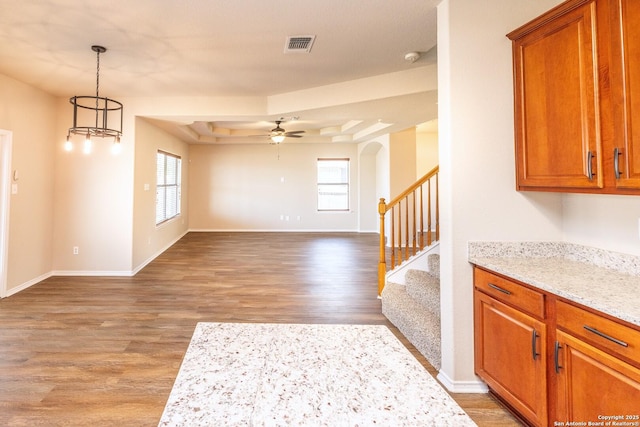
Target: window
333	184
168	180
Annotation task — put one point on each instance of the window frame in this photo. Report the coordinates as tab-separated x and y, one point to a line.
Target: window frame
177	185
347	183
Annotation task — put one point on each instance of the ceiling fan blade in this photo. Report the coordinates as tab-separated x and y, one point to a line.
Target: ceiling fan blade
278	131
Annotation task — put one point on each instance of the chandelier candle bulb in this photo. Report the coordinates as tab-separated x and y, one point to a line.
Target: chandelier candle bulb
87	145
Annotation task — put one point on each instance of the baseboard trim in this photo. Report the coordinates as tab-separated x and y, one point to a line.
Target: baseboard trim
462	386
142	265
271	230
89	273
28	284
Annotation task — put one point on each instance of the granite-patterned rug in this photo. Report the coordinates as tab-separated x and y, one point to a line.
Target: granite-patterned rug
248	374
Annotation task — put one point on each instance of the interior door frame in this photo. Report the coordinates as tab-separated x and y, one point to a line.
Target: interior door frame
6	141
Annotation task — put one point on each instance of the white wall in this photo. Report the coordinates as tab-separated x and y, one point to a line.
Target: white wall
426	151
369	218
604	221
252	186
478	197
150	240
402	161
30	115
93	202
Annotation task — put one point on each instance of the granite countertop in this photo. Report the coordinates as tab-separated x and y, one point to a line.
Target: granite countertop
605	281
262	374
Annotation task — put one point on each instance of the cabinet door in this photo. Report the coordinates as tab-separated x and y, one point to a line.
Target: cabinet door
557	107
625	91
593	383
510	354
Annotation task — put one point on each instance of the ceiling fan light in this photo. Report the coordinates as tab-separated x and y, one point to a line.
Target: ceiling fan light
277	138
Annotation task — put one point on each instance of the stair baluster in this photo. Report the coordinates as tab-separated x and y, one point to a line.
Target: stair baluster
408	235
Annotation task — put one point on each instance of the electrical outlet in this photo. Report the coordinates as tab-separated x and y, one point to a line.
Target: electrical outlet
76	250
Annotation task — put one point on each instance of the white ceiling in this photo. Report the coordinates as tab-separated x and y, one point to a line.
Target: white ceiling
230	48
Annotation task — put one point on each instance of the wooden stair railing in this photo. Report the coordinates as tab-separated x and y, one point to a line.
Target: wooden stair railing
407	224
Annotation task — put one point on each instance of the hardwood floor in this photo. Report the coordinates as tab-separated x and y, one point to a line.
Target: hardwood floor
104	351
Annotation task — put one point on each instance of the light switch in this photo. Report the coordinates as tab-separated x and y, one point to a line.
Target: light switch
146	187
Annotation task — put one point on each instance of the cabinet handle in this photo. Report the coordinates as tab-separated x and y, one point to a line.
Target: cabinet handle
605	336
616	162
590	173
498	288
534	337
555	357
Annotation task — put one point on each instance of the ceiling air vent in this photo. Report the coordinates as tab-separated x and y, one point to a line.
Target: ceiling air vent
299	44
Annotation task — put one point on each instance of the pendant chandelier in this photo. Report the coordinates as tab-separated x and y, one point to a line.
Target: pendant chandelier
95	116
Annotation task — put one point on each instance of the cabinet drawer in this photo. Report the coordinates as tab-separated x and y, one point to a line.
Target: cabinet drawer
608	335
509	292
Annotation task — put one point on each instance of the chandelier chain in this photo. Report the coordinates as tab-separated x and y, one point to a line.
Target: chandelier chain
97	77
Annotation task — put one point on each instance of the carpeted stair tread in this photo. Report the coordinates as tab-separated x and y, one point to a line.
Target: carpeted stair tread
433	264
421	327
424	288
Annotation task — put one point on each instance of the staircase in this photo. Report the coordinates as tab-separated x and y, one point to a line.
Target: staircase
409	233
414	308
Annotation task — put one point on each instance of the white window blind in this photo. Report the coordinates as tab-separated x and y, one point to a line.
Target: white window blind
168	183
333	184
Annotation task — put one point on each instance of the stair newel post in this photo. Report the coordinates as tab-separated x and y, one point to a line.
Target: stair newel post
437	210
421	219
382	266
429	214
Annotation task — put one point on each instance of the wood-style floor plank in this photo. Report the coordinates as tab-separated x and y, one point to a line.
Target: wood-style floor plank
105	351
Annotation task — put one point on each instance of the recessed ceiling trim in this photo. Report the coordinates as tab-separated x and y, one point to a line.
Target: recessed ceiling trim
334	130
299	44
342	138
371	129
350	124
188	131
218	131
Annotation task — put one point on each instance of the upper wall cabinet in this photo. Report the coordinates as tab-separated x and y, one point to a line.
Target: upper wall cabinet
625	91
575	73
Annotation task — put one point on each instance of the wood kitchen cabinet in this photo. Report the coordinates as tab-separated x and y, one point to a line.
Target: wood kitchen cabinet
551	360
592	378
510	344
625	92
576	83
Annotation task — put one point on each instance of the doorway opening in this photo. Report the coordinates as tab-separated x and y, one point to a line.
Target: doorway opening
5	198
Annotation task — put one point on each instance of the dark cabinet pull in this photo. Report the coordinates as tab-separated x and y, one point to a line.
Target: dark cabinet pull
555	357
534	337
605	336
616	162
590	173
498	288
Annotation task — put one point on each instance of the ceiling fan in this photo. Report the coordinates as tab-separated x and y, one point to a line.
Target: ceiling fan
278	134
